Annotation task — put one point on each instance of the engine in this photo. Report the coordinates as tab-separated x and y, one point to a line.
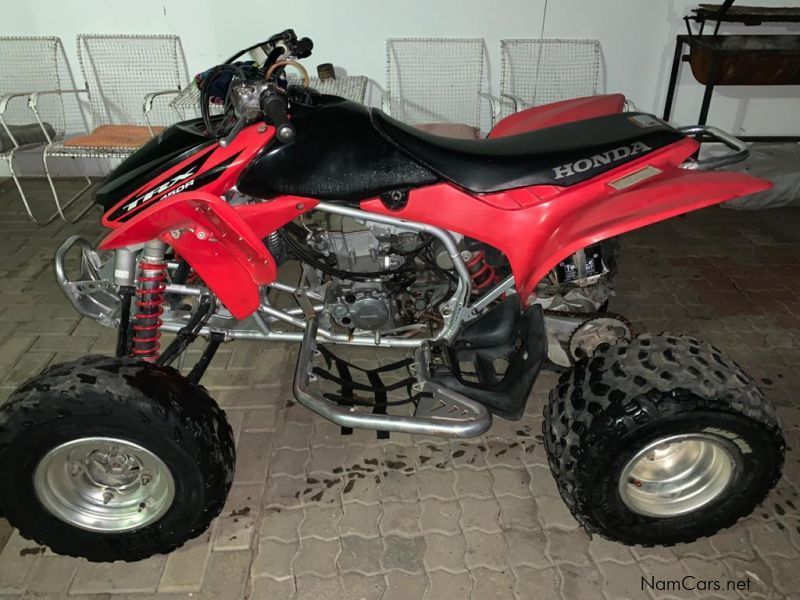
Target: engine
382	278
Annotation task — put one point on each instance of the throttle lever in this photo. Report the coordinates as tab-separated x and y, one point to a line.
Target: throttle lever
274	108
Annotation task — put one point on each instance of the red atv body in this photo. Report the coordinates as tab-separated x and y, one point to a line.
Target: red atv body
537	196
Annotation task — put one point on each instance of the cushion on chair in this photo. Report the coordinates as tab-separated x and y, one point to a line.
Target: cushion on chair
452	130
25	135
114	136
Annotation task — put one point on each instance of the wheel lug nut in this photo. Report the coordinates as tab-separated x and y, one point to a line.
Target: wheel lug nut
107	497
146	478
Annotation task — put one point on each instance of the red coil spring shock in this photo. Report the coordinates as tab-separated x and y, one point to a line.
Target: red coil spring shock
150	287
482	273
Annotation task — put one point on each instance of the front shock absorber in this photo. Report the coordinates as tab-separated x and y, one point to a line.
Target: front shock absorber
482	273
150	288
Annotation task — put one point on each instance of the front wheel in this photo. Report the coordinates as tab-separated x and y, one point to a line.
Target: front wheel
661	440
113	459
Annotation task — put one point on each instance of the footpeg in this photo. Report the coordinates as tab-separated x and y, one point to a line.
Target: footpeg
439	411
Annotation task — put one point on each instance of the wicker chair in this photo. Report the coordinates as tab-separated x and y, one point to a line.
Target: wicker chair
438	84
27	65
128	81
535	72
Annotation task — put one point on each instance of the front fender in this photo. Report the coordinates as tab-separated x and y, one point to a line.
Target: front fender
222	243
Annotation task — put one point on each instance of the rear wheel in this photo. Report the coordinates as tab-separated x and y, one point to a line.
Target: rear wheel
661	440
113	459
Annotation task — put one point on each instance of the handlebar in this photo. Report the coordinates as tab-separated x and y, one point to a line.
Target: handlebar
274	108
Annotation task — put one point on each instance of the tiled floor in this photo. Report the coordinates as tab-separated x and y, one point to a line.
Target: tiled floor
316	515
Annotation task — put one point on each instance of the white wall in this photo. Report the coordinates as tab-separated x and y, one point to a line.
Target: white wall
637	38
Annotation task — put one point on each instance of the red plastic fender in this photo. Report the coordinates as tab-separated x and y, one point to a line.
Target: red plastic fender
537	227
221	242
558	113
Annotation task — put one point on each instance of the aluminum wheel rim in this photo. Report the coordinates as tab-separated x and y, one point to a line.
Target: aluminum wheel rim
677	475
104	484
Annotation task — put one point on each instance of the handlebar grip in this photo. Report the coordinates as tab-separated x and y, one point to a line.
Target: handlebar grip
274	108
303	48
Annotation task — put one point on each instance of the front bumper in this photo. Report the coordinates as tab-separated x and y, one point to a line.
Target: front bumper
92	292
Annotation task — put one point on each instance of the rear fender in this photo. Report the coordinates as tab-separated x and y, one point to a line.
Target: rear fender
221	242
537	227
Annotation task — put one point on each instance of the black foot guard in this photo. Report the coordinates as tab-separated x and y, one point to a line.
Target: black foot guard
503	335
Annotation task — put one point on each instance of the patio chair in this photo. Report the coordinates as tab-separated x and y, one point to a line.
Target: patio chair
540	71
27	65
438	85
128	81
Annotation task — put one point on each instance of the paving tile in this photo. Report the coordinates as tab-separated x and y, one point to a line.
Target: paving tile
492	585
400	518
445	552
757	571
361	555
554	513
226	576
17	561
360	587
511	482
252	457
518	512
274	559
281	523
440	516
118	577
448	585
283	491
621	582
294	435
270	589
537	583
317	557
185	568
486	550
602	550
580	582
477	484
403	554
399	485
235	533
404	586
568	546
771	541
436	483
288	462
321	522
52	575
480	513
527	548
360	519
314	587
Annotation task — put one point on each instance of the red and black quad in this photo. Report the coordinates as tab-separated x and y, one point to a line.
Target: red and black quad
286	215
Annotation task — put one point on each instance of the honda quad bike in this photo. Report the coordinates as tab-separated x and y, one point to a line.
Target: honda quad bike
287	215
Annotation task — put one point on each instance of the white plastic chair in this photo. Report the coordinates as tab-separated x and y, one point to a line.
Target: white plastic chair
128	81
28	65
431	81
541	71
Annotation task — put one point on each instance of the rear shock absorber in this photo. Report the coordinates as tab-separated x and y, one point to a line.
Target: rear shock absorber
482	273
150	288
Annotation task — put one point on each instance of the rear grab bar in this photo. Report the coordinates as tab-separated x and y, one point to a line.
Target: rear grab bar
706	132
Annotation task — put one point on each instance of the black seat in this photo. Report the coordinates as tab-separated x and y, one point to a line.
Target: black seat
561	155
